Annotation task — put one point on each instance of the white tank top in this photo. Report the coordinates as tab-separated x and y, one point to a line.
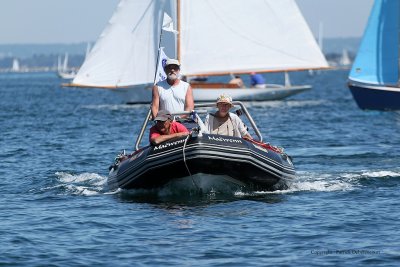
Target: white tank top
172	98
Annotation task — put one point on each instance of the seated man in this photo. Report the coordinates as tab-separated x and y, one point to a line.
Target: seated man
238	81
257	80
224	122
165	128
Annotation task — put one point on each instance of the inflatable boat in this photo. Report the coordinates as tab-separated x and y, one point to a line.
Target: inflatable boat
251	164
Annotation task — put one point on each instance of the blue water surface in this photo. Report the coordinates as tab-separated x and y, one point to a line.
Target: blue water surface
55	208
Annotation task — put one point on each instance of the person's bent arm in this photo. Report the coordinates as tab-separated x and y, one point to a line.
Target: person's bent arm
155	103
189	102
162	138
242	129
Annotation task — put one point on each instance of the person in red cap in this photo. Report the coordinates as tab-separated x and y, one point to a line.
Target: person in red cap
165	128
173	94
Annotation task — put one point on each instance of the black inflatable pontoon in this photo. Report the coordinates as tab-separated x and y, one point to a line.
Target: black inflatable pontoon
252	164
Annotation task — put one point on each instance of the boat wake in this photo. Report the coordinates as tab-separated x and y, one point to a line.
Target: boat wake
315	182
214	186
87	184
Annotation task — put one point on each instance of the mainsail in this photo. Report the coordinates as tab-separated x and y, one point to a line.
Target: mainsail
377	60
237	36
215	38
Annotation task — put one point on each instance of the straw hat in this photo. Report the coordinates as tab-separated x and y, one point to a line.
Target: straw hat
225	99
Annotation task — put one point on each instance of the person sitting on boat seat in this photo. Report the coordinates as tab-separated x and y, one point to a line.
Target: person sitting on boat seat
173	94
224	122
257	80
165	128
238	81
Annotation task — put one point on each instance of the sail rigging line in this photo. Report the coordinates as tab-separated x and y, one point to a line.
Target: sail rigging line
141	17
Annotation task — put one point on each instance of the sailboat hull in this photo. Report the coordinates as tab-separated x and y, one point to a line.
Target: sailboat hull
375	97
140	95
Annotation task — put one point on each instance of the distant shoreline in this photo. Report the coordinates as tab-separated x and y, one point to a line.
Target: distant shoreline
45	56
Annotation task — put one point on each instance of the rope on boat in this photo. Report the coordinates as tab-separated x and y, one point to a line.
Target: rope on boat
184	160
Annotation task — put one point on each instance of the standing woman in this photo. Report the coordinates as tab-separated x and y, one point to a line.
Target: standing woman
224	122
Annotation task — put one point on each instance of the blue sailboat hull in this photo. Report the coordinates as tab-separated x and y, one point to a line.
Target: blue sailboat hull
374	76
375	97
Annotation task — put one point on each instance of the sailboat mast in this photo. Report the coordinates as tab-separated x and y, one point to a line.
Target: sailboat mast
178	22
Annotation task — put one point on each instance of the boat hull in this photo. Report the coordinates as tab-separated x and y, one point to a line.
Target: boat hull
142	95
248	164
375	97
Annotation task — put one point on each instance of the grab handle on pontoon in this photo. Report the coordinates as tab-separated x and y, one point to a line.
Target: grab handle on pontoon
139	139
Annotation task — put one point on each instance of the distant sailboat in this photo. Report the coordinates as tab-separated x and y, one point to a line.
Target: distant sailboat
215	38
15	66
320	44
63	71
374	77
345	61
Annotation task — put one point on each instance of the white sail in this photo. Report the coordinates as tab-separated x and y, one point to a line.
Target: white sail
65	63
88	47
345	59
240	36
59	68
15	65
126	52
215	37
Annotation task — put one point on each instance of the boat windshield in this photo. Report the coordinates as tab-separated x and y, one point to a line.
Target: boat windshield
201	108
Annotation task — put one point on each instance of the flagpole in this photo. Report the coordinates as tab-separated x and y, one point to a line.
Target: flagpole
158	56
155	77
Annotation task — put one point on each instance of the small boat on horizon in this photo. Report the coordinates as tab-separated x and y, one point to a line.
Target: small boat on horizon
249	164
374	80
63	71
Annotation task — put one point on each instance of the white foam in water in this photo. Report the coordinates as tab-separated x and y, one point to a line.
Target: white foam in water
86	184
89	184
372	174
310	182
377	174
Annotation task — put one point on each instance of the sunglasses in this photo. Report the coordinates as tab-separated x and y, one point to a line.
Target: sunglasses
170	67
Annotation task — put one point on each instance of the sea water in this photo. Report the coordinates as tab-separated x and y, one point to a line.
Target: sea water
56	210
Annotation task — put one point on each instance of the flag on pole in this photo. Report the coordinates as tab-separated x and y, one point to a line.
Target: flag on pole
161	75
168	24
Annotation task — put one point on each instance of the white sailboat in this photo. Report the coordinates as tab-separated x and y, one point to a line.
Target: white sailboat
15	66
63	71
215	38
345	61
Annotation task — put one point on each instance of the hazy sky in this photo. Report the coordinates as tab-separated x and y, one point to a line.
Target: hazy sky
72	21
